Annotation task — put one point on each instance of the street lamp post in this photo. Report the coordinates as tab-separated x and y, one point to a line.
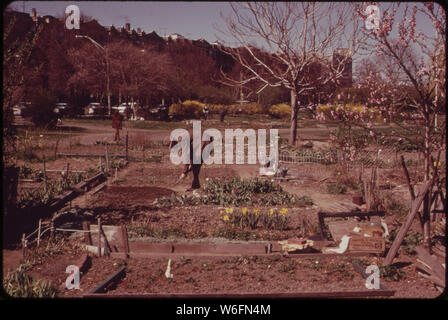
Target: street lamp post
107	68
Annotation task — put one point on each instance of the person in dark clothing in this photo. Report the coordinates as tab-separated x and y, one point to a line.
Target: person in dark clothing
194	168
222	114
206	110
117	124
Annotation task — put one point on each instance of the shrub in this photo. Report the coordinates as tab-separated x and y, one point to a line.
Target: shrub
243	108
189	109
41	112
328	110
280	111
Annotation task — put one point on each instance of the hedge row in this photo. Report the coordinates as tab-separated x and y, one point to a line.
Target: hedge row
194	109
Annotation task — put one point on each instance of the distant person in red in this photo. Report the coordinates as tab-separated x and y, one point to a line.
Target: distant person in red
117	124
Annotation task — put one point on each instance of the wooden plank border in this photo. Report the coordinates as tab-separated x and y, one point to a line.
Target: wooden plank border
273	295
114	277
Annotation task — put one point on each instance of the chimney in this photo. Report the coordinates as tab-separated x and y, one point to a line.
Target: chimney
128	27
34	14
139	31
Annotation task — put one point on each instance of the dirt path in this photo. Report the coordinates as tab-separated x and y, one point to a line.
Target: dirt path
90	134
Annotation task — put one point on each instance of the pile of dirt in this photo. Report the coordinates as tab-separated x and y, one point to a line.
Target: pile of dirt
118	196
138	193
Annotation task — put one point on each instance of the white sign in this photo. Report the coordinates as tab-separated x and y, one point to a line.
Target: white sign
373	280
373	17
72	281
73	17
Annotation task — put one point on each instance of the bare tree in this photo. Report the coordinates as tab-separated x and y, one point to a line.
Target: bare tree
138	72
296	38
89	70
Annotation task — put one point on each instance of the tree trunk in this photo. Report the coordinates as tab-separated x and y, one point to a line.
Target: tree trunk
426	203
294	112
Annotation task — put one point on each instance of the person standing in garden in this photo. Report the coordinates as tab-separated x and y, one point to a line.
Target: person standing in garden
117	124
193	167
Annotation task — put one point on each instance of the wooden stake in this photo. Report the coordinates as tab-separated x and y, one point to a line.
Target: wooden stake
99	237
116	173
101	164
125	239
107	159
45	175
127	140
23	246
68	168
56	148
408	179
38	232
404	228
87	236
52	231
107	248
70	138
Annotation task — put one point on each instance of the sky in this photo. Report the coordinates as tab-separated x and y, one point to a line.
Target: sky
193	20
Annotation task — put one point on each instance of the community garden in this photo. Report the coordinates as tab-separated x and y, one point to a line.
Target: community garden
132	183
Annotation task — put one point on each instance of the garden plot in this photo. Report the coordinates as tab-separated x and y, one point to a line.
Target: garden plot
231	208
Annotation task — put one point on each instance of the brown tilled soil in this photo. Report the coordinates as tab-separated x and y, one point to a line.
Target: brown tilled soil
248	274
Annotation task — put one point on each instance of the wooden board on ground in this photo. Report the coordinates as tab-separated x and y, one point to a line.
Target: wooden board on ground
432	265
115	237
344	206
366	244
340	228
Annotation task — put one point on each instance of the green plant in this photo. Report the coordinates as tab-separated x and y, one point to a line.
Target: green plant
289	266
391	273
251	217
234	234
313	264
336	188
396	207
339	269
237	191
410	241
20	285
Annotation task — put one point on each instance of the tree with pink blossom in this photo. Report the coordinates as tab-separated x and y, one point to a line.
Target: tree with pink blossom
410	95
